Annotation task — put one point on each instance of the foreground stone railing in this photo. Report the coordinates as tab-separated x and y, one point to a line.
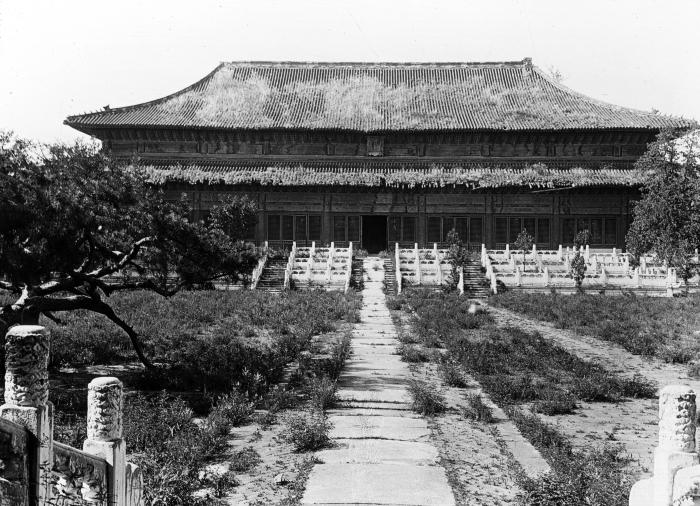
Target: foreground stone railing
38	471
676	479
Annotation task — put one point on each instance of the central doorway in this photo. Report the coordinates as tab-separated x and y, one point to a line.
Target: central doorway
374	233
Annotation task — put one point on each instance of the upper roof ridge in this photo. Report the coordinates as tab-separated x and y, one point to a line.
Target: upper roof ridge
377	64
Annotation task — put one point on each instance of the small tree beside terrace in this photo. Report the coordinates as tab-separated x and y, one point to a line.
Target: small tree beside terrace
666	221
524	242
76	227
458	255
578	264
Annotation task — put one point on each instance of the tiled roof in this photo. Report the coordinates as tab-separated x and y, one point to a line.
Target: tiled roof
376	97
397	176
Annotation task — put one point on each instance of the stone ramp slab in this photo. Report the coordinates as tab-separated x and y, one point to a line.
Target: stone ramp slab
378	393
398	428
369	411
379	451
378	406
385	484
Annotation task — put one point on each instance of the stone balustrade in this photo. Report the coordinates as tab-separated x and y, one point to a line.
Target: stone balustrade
39	471
676	478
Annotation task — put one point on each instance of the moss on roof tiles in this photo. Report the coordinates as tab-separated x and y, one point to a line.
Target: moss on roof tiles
377	97
434	176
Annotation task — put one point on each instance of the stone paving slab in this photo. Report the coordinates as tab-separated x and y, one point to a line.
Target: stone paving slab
385	411
374	405
378	427
378	484
388	393
374	341
379	451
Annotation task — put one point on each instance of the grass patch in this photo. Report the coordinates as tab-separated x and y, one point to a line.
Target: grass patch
172	449
307	431
596	477
651	326
245	459
452	374
205	340
413	354
426	400
477	410
322	392
519	368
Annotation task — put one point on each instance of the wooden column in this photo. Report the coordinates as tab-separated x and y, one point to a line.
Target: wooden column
327	219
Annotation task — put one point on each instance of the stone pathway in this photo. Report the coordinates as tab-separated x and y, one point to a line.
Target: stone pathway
383	454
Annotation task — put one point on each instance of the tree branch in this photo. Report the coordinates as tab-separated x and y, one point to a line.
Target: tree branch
123	262
148	284
6	285
50	304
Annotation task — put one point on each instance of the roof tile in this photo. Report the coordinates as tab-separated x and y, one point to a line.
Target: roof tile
377	97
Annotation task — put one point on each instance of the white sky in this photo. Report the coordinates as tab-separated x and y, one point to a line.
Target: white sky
65	57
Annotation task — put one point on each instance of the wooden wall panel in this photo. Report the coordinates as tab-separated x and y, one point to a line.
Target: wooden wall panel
446	203
521	203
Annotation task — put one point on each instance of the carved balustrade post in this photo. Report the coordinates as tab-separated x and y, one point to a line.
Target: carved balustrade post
104	434
676	469
27	401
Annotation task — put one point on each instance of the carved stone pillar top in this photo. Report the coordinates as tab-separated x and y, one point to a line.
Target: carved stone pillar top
677	419
105	406
26	366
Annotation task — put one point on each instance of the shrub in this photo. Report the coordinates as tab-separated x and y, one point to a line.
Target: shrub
322	392
452	374
170	448
307	431
395	302
477	410
562	405
340	352
245	459
639	387
426	400
278	398
412	354
234	408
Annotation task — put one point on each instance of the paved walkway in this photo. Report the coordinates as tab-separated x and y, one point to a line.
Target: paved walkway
383	454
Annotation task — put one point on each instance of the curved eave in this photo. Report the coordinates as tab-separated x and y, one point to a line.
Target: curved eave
97	131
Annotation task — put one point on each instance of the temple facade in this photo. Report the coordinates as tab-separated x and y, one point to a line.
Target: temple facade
377	153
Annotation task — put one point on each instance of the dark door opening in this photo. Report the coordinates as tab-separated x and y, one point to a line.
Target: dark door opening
374	233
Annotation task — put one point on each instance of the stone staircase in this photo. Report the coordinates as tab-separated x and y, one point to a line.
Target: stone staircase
310	268
475	285
389	276
272	277
357	280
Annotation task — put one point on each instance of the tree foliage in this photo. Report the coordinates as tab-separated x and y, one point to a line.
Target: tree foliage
582	238
666	221
458	255
76	227
524	242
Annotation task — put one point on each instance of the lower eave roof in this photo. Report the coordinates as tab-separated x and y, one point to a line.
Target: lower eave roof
395	176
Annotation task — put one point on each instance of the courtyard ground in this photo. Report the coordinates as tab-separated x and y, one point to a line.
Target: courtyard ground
632	422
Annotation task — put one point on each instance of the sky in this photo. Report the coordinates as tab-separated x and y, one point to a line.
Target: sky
65	57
